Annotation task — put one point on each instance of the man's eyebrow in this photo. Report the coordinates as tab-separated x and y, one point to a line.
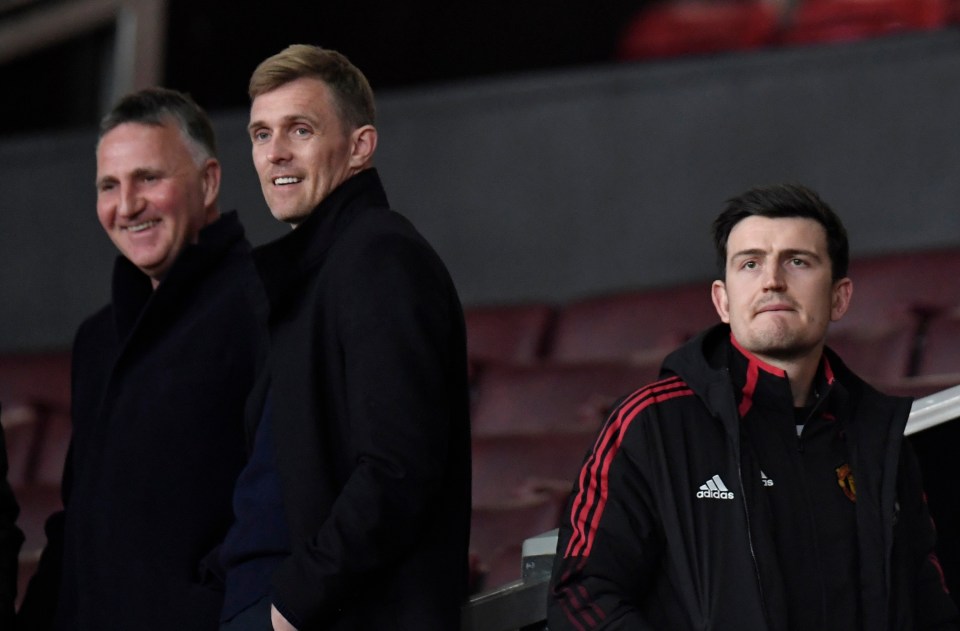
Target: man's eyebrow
787	253
136	173
800	252
291	118
748	252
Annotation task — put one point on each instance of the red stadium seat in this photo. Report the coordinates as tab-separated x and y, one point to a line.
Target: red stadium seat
497	532
35	378
512	333
879	355
953	12
35	391
552	397
633	325
892	288
941	347
504	564
670	29
848	20
509	466
54	438
20	429
37	448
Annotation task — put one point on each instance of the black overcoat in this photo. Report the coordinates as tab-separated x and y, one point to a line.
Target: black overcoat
368	382
159	384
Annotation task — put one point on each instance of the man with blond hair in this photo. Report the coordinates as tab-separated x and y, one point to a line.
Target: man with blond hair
353	512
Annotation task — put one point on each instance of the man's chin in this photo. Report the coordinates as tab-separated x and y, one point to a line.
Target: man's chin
288	215
154	271
147	265
785	349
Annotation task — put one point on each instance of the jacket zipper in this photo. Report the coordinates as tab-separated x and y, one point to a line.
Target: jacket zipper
753	553
800	449
813	411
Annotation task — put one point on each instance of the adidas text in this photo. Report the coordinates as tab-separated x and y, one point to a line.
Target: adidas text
717	495
714	488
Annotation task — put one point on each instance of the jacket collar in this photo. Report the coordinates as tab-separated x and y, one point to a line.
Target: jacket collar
282	263
701	363
133	292
720	373
755	379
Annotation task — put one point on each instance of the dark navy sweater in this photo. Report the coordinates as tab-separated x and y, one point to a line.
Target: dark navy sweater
259	538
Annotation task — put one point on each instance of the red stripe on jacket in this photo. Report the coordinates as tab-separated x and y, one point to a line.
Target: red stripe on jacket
594	483
754	365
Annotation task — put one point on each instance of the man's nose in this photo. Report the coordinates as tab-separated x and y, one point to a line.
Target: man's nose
278	149
130	203
773	277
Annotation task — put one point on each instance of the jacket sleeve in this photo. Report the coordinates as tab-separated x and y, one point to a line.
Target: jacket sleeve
610	544
398	317
915	554
10	540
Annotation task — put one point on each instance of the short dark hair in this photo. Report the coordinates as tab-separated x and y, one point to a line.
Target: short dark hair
351	90
157	107
780	201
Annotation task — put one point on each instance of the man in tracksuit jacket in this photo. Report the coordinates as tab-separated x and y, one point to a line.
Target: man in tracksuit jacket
759	484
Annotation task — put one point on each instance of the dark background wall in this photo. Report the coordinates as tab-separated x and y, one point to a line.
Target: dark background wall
554	185
212	46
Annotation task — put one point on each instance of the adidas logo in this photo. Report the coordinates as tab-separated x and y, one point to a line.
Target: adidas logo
766	481
715	489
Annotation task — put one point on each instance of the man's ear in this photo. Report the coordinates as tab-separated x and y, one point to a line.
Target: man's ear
210	182
840	300
718	291
363	142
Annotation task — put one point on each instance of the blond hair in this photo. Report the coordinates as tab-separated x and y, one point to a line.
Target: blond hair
351	91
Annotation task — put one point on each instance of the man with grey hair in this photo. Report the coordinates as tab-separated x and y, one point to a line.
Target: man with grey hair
159	381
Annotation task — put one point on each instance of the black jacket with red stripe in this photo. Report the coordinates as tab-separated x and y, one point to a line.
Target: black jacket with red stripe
668	526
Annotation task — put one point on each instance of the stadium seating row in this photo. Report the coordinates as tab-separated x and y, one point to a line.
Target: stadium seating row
902	322
691	27
544	377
